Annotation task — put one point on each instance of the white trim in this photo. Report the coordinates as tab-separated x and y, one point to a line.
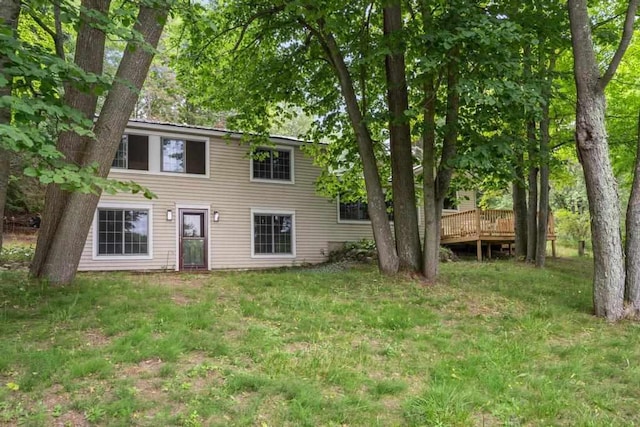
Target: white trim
168	135
292	162
352	221
272	211
457	209
176	218
122	205
207	159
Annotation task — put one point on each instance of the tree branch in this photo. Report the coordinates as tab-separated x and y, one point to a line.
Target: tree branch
252	18
58	39
627	33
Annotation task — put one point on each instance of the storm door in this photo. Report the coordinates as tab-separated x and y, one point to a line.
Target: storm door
193	239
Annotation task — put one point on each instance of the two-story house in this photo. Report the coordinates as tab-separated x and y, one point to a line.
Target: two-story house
216	208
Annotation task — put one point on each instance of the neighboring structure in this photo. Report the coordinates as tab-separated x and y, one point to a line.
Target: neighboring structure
216	208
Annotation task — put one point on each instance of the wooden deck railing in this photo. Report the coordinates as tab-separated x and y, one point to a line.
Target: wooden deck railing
478	224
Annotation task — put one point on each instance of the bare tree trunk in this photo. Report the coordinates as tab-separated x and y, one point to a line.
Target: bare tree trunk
543	210
65	251
9	13
404	195
436	193
387	256
593	151
632	285
90	46
431	228
520	209
532	204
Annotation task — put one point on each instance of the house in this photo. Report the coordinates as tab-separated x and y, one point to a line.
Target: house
216	208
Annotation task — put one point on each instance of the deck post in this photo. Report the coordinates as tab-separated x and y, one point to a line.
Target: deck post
553	248
489	250
479	250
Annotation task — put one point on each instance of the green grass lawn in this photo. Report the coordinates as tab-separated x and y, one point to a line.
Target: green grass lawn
492	344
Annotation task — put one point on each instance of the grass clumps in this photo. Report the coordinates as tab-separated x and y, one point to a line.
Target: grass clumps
494	343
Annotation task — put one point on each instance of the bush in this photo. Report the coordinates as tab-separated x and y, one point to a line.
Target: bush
365	251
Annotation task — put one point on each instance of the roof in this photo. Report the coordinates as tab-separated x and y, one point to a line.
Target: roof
201	130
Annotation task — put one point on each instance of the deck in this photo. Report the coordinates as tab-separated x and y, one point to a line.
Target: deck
485	227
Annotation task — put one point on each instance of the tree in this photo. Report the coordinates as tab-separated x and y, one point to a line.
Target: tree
9	12
632	284
404	194
591	142
69	217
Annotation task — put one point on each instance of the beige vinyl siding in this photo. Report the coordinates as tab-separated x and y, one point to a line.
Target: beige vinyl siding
230	191
467	200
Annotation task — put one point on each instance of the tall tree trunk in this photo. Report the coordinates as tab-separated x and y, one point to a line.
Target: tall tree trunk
387	255
436	193
9	13
404	195
89	56
545	137
431	255
532	204
519	193
593	151
632	286
65	251
450	141
543	207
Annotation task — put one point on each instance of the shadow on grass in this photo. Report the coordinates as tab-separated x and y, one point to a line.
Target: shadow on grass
564	283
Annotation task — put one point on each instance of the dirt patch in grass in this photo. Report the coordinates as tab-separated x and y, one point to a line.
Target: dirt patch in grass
144	369
298	347
180	299
57	402
486	420
96	338
71	418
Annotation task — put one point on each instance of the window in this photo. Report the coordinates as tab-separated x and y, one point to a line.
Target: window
182	156
359	211
123	231
273	164
133	153
273	234
451	202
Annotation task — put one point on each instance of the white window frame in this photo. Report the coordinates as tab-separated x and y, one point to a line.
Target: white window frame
292	152
126	159
352	221
155	155
457	209
271	211
125	206
185	139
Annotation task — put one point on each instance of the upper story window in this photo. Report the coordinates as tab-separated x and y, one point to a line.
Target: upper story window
359	211
273	164
183	156
133	153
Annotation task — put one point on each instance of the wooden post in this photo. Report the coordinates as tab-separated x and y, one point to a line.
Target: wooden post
489	250
479	250
553	248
